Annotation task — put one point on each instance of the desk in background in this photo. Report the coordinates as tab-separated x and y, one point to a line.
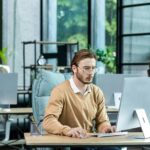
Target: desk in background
112	113
13	111
112	109
64	141
16	111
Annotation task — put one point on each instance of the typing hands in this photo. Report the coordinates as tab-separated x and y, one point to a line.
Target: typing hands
77	133
108	129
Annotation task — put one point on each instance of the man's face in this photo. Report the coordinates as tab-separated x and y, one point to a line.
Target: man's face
85	70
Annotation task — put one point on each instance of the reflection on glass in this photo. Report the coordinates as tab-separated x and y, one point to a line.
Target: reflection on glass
141	70
136	19
136	49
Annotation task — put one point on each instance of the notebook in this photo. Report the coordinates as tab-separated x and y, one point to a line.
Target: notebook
8	88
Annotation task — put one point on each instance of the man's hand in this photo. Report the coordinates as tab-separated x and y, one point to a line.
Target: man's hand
77	133
108	129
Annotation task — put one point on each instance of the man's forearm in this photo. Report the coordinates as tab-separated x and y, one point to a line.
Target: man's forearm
52	125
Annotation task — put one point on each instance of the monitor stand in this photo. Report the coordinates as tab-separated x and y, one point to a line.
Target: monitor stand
6	108
144	123
7	131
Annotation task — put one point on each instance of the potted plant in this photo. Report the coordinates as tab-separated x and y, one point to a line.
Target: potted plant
108	58
3	57
4	68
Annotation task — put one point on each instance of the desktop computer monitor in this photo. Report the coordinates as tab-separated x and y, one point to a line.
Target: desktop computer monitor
111	84
8	89
135	96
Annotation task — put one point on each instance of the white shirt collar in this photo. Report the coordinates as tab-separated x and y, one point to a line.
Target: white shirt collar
75	88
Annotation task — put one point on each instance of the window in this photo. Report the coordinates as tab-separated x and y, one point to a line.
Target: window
90	22
133	36
72	21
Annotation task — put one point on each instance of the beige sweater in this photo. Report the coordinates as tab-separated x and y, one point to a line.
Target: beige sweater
67	110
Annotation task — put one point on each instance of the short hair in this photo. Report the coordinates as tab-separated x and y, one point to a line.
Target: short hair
82	54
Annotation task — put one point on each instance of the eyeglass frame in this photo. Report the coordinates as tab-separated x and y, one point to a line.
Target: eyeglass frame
88	69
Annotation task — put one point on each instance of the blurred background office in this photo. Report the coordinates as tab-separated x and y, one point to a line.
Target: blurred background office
120	26
47	33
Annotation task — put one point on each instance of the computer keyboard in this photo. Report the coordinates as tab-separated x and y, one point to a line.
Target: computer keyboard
110	134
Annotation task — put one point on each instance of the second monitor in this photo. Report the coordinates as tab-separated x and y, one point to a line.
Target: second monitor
8	88
111	84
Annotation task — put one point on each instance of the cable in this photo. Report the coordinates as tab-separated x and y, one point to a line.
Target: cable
20	130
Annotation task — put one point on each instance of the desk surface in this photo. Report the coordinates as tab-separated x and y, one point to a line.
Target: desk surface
56	140
16	111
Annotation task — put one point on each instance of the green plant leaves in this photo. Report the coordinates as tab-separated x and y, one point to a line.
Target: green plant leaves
3	55
108	57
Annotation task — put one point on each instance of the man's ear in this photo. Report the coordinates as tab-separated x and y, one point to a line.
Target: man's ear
74	68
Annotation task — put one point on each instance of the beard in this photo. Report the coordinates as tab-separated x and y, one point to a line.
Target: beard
83	80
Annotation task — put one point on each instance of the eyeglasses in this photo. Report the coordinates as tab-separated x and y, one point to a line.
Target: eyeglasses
88	69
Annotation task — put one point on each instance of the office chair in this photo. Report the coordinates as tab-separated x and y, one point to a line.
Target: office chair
41	89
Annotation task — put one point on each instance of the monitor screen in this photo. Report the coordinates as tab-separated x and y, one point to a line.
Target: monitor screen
136	95
8	88
111	84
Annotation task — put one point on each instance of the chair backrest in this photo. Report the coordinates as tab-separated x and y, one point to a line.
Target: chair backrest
41	90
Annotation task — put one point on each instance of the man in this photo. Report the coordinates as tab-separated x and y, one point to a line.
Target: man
76	103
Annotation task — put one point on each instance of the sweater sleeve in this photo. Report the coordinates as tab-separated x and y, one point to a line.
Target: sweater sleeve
101	116
51	120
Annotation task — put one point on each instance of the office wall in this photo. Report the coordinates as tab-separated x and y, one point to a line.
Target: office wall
21	22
